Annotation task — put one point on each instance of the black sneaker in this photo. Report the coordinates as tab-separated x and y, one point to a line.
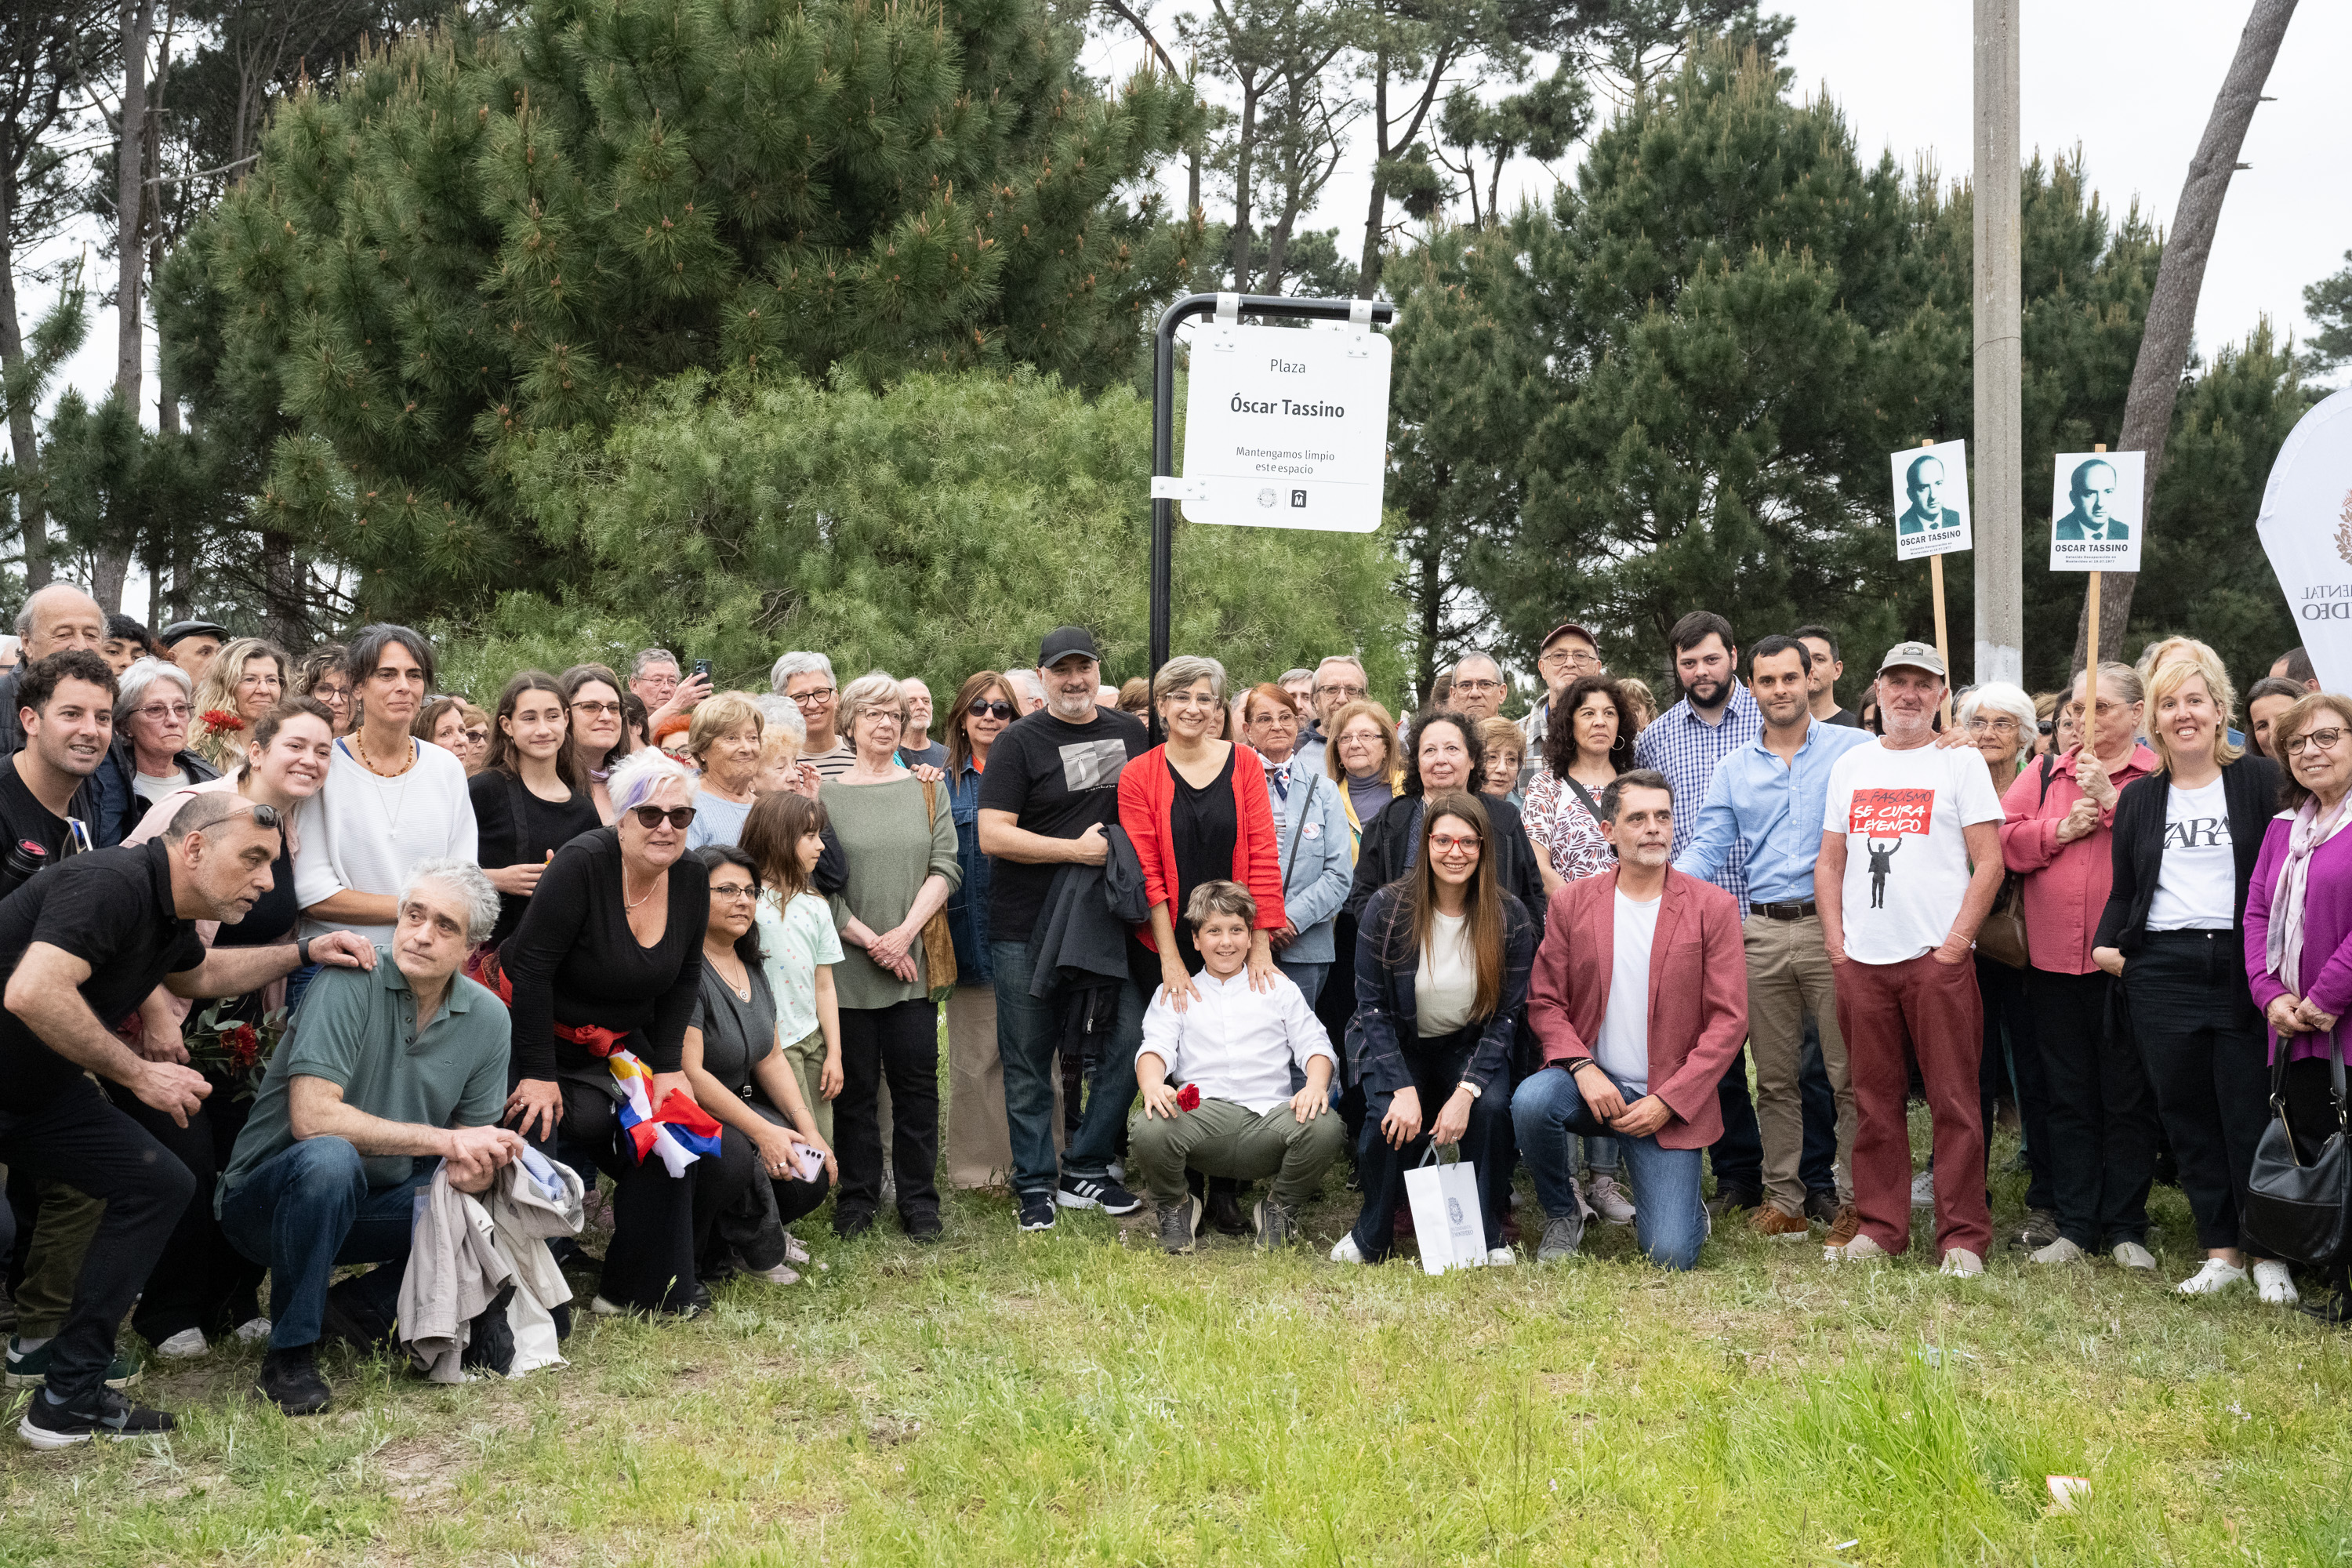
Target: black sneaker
1036	1211
290	1379
1081	1192
1730	1200
106	1414
1178	1223
2039	1230
1821	1204
922	1226
1276	1225
851	1224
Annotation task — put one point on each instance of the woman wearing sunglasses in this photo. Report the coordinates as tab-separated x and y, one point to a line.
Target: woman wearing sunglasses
979	1144
609	956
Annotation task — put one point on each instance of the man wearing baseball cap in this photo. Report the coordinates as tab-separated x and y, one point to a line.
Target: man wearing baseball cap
1568	653
1910	863
192	644
1051	789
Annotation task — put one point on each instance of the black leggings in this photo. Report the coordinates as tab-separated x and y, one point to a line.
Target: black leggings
731	1214
901	1043
2204	1045
201	1281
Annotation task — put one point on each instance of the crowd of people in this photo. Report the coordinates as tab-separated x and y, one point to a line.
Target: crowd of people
306	961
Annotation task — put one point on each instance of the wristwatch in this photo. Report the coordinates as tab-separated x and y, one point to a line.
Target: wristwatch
1467	1087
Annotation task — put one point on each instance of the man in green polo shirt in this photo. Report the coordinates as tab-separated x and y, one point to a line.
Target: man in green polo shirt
385	1076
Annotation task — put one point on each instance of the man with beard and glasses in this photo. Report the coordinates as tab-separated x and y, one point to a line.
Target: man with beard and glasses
1716	717
1051	789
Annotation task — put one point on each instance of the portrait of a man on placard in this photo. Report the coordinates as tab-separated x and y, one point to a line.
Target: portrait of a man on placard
1924	483
2092	490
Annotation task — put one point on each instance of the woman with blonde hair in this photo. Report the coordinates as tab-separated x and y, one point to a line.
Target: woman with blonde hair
243	682
723	738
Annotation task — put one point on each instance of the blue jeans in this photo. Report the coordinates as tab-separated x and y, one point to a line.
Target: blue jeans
1669	1223
1307	977
308	1208
1027	1035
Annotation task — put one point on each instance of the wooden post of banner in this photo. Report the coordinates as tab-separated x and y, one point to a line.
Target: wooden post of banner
1936	579
2091	660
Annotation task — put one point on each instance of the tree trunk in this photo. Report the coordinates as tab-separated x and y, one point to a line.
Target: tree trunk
1367	273
1243	146
138	17
281	588
31	516
2180	276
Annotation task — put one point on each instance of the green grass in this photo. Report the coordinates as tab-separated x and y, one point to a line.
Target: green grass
1076	1397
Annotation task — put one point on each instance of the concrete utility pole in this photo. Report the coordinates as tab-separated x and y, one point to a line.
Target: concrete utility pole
2000	488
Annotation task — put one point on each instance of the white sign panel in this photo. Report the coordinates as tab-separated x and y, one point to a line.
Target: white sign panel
1286	428
2094	512
1931	501
2306	530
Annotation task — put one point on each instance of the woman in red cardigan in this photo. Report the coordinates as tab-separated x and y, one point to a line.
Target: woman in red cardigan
1195	817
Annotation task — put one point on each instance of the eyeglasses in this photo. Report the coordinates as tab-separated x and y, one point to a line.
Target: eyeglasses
731	890
984	709
895	715
158	713
1345	693
1574	659
1447	843
2322	739
1992	726
1478	685
595	710
258	681
650	816
816	699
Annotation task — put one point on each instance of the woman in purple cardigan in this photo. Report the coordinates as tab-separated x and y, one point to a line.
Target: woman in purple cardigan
2299	921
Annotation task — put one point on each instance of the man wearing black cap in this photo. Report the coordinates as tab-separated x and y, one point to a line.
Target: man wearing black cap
1050	788
1568	654
192	644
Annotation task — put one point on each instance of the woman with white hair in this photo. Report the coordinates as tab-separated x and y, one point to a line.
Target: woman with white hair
609	958
154	704
807	680
898	843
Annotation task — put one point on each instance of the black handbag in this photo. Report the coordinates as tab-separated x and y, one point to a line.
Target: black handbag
2295	1208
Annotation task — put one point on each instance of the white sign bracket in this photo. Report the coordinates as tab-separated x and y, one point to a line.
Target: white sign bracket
1229	308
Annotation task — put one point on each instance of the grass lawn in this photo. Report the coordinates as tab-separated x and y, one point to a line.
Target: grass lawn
1078	1397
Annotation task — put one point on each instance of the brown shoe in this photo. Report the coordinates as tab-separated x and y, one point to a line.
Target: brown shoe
1769	1221
1847	1227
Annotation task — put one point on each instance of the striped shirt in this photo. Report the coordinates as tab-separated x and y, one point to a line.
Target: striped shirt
1687	749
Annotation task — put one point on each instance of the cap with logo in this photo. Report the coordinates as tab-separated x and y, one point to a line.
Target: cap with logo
1063	641
1914	656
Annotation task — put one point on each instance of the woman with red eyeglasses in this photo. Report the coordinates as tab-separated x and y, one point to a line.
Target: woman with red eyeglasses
980	1146
609	958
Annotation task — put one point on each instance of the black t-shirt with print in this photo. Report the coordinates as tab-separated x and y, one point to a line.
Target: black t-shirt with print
112	909
31	834
1057	779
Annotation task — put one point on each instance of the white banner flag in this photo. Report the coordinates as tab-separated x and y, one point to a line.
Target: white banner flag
2306	530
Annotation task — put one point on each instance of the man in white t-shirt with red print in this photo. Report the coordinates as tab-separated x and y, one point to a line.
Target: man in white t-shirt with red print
1910	865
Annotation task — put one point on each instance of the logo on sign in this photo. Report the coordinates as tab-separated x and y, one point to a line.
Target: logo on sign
2344	534
1266	497
1298	498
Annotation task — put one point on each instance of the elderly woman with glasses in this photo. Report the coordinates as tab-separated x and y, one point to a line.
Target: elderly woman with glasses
898	843
724	740
149	759
980	1146
608	959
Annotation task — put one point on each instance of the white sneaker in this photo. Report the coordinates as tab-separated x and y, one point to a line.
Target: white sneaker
2132	1255
1923	1190
781	1273
1861	1249
608	1309
2216	1276
1501	1257
253	1330
1962	1264
2059	1251
2275	1284
185	1345
1608	1200
1346	1251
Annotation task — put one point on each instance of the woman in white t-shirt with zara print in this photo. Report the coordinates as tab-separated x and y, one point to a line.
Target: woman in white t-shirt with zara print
2186	839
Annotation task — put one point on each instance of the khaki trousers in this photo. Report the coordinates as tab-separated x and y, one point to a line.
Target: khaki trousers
980	1139
1219	1137
68	1221
1790	977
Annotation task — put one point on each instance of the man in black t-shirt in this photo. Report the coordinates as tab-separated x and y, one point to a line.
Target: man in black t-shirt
81	946
49	805
1050	788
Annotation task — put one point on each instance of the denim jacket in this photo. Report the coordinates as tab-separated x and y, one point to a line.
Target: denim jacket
1318	851
968	905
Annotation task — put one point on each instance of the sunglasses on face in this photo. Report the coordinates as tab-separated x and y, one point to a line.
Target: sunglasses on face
985	708
650	816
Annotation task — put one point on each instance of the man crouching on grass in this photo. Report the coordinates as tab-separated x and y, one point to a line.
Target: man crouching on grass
1215	1076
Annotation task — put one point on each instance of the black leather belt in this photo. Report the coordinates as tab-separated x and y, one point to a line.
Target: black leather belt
1803	911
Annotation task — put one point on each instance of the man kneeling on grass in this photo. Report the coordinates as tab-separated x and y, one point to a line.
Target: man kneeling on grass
386	1075
1215	1075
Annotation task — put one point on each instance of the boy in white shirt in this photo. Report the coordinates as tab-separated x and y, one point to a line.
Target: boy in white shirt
1216	1076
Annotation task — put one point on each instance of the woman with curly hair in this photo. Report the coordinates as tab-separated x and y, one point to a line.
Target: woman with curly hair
1591	745
243	682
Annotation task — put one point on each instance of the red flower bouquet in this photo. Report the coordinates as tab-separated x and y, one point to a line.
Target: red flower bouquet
220	722
232	1050
1189	1098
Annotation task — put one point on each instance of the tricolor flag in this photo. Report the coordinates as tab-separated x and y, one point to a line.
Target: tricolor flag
681	1132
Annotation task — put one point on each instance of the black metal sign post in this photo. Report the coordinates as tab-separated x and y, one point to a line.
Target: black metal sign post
1274	307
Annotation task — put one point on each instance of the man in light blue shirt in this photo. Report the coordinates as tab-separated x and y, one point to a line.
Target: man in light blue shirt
1767	796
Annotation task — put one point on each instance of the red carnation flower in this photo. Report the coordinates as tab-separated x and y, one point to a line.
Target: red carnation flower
1189	1098
221	721
244	1045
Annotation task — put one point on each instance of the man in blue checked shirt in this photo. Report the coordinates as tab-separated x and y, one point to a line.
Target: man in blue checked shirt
1716	717
1768	795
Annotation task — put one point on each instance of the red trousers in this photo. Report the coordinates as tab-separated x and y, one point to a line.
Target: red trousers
1891	1015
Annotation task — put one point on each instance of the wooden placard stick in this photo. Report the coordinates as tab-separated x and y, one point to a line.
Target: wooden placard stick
2091	657
1935	581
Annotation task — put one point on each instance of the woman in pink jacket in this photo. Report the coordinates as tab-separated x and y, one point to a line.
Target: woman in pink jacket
2059	836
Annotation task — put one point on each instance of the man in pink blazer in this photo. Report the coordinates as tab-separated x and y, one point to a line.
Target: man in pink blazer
1640	997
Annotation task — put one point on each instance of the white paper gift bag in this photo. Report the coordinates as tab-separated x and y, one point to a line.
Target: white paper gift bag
1446	1217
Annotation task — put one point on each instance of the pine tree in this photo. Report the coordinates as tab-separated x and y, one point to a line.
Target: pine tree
477	240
